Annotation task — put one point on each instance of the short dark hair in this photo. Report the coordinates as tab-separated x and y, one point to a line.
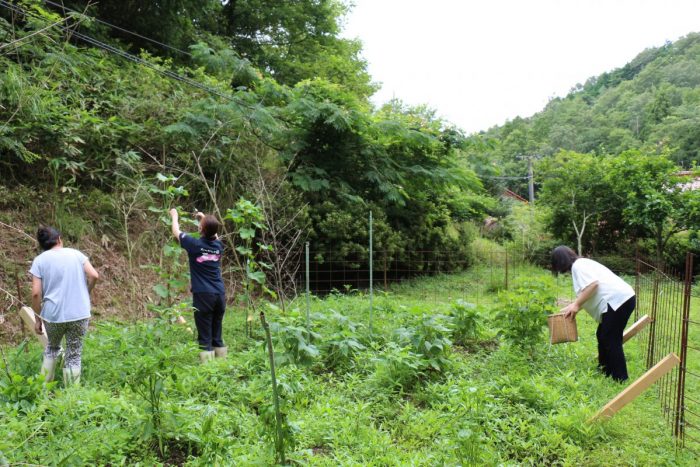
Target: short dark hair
210	226
48	237
563	258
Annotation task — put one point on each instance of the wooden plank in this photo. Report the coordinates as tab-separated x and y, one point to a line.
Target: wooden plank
27	315
640	385
633	330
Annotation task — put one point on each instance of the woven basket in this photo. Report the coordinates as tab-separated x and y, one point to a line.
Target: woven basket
561	329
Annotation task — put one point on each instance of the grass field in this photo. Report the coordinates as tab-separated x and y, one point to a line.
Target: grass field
348	398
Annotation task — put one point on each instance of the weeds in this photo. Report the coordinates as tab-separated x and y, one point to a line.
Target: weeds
405	398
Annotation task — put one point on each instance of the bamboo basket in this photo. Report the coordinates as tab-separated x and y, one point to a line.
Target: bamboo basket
561	329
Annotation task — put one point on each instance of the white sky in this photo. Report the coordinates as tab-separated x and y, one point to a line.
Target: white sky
480	63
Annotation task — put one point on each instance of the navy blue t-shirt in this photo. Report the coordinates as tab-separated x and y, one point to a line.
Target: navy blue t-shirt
205	263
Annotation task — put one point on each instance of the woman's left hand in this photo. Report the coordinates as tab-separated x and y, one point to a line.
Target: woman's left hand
570	310
38	328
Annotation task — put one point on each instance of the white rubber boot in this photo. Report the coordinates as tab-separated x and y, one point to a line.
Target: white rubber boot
71	377
220	352
206	355
48	368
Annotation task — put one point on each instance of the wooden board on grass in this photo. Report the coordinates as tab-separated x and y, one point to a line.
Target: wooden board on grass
27	315
633	330
640	385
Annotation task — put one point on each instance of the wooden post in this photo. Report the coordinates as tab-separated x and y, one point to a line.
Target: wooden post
640	385
635	328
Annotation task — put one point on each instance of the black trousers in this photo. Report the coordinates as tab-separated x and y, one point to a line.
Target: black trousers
611	356
208	317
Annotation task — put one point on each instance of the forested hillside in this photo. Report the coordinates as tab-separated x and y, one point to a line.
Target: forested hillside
598	151
115	112
121	120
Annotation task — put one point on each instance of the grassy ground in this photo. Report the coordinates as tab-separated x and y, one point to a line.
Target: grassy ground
351	399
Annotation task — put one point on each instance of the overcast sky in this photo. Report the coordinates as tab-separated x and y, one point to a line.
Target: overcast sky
480	63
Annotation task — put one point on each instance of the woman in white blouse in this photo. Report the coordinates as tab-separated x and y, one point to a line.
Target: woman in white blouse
607	298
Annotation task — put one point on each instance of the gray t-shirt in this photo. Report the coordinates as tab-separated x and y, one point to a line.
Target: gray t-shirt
63	285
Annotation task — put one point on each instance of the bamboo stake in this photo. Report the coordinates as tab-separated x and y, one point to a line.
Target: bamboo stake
279	441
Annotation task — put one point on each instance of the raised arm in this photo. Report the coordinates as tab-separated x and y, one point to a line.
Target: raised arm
91	274
175	225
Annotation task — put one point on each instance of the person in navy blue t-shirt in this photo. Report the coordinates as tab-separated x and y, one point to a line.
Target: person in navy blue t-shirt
208	293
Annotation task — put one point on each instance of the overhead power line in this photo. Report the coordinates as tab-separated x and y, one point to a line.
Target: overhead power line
504	177
119	28
17	42
94	42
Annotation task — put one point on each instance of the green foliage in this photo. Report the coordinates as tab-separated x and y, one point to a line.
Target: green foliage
579	195
173	22
429	339
22	392
296	341
294	41
342	342
149	383
249	221
648	105
122	124
653	198
398	368
522	311
467	322
385	403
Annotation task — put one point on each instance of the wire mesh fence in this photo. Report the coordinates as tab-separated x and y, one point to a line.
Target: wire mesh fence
661	295
461	276
688	426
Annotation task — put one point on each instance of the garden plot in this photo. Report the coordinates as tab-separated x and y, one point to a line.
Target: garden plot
443	380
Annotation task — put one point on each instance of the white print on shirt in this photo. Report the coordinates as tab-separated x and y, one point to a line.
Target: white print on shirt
209	255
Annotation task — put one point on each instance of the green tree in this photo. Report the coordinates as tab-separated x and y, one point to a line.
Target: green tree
577	193
176	23
654	199
294	41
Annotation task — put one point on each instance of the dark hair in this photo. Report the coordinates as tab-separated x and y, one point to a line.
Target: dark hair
563	258
48	237
210	226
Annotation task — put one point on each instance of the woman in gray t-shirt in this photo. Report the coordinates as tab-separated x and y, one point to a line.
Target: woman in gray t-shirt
62	279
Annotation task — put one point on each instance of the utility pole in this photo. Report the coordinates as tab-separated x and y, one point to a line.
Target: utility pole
530	175
530	181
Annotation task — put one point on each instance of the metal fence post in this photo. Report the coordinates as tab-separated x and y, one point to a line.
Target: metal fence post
506	268
679	422
651	349
308	305
371	277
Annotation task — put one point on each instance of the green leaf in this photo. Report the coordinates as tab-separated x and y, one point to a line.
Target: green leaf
257	276
160	290
246	233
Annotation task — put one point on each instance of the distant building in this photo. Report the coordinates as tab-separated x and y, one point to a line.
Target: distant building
512	195
693	183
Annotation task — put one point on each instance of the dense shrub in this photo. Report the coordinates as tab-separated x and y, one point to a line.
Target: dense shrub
523	309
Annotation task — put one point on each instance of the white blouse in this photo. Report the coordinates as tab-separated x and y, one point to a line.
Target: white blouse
612	290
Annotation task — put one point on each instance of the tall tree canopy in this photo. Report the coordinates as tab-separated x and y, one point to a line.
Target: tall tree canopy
288	40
